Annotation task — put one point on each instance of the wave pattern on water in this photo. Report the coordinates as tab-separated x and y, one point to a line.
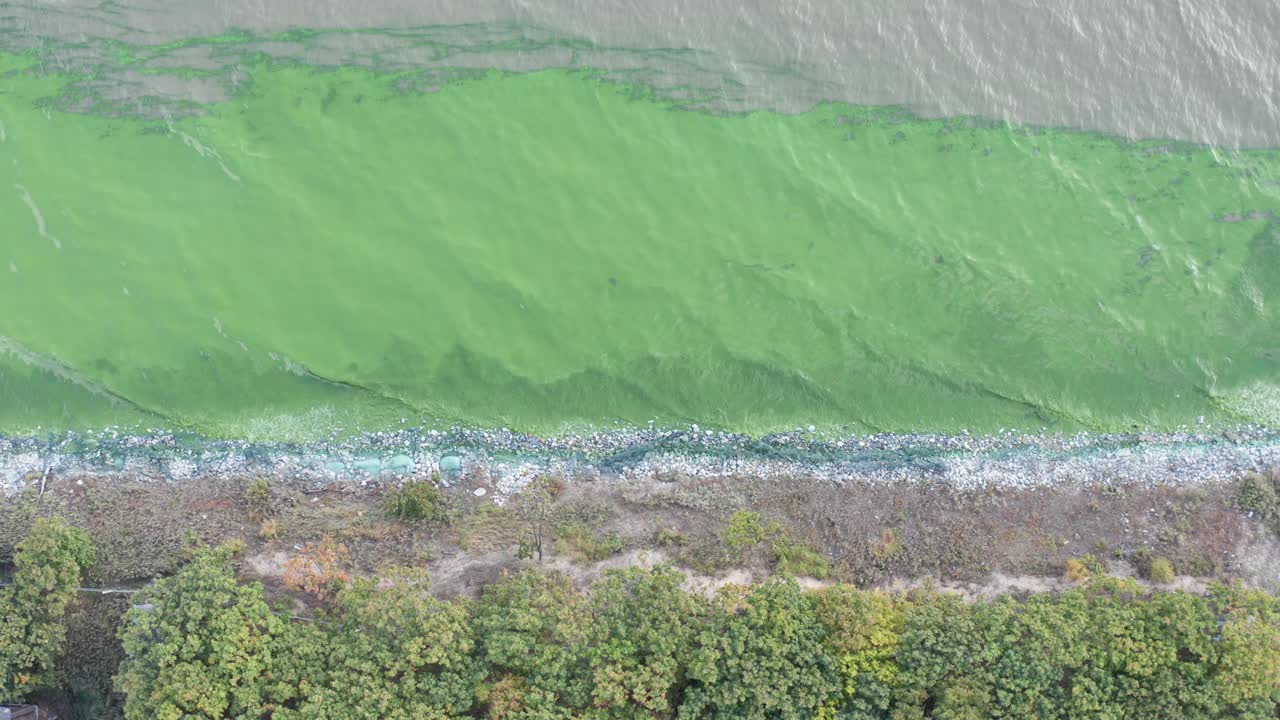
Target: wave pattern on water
382	227
1204	72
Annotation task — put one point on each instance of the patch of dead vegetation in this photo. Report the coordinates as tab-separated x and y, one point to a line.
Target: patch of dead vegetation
869	534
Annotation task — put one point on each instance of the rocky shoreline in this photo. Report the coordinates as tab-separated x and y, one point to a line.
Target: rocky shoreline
510	459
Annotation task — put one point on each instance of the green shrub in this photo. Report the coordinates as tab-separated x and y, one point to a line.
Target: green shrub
533	626
796	559
639	640
33	610
1247	674
258	498
236	547
609	545
864	629
191	544
1160	571
744	530
1142	561
415	500
91	656
1153	568
584	544
1259	495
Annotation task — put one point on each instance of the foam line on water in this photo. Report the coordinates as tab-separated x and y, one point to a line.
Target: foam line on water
66	373
41	228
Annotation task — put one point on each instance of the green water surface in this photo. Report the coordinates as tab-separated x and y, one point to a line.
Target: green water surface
545	250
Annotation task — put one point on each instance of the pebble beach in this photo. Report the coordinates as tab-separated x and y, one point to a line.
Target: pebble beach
507	460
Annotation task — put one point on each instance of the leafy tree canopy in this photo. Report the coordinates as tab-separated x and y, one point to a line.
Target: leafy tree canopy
32	626
200	645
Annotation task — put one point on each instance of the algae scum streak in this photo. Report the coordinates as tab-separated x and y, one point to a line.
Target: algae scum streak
279	237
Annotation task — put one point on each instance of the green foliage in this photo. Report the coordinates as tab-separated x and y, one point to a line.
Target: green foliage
192	545
416	500
525	548
258	497
864	630
533	627
199	645
1260	495
1160	571
640	638
1150	658
1099	651
390	651
746	531
1247	674
761	656
91	656
637	646
796	559
32	611
938	639
582	543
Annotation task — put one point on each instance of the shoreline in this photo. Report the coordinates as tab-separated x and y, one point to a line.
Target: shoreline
964	461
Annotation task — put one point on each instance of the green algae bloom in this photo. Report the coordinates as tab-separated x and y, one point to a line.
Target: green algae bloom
327	249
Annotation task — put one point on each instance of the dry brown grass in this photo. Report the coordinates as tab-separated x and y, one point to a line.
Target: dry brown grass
888	546
1077	571
320	568
269	530
487	529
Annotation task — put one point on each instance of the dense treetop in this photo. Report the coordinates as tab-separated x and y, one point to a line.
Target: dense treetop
638	645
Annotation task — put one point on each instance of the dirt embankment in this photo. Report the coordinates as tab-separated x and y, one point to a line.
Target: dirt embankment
980	543
870	534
